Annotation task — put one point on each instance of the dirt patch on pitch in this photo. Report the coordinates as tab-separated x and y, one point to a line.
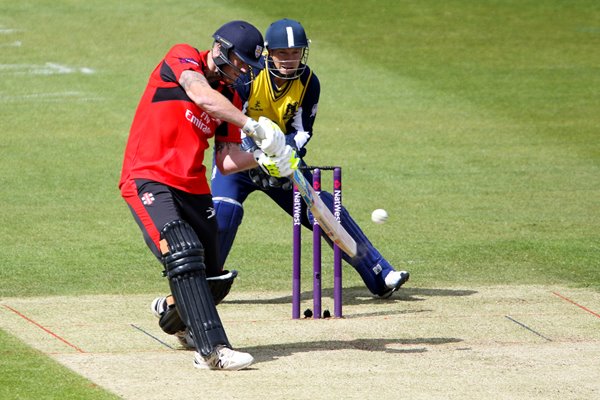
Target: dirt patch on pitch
493	342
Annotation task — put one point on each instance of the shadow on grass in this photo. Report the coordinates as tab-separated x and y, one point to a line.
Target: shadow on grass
391	346
360	295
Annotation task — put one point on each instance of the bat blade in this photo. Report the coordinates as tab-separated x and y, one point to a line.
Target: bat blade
327	221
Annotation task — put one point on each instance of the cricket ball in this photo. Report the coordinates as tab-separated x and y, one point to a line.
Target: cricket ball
379	216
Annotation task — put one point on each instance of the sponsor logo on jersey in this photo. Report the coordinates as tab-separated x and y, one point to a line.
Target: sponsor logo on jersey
189	61
203	122
257	106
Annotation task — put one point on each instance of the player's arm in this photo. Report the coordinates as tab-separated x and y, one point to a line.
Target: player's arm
230	158
300	127
214	103
218	106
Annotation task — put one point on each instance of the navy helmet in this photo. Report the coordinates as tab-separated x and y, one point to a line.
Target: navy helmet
241	38
286	34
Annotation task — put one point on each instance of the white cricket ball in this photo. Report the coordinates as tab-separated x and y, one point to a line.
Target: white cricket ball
379	216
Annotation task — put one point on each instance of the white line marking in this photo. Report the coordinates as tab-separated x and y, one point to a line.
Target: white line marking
46	69
16	43
48	97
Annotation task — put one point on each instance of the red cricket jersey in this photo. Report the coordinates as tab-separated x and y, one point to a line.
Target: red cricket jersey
169	134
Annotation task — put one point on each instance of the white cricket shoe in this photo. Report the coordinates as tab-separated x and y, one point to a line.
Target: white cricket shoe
394	280
223	359
158	306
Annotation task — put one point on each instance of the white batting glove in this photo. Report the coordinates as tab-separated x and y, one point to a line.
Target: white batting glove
278	166
253	129
266	134
273	142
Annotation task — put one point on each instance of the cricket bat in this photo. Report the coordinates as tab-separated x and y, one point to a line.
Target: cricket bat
327	221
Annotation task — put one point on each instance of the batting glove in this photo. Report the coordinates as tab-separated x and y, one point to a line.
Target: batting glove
278	166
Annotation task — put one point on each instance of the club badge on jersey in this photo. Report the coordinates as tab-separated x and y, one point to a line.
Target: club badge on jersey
147	199
279	107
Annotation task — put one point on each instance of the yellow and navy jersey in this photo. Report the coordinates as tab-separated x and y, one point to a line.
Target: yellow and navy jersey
293	106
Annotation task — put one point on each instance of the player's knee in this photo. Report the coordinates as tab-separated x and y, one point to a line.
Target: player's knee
229	212
185	251
229	217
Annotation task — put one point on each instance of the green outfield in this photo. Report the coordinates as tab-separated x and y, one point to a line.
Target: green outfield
475	124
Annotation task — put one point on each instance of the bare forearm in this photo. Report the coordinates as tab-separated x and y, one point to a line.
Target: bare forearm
230	158
214	103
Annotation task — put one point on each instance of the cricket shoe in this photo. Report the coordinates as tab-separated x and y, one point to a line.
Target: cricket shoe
158	307
223	359
394	280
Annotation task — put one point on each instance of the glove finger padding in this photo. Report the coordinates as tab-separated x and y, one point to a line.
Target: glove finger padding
287	162
259	177
266	182
280	166
273	142
268	165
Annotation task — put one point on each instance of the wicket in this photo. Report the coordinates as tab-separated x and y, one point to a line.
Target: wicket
297	245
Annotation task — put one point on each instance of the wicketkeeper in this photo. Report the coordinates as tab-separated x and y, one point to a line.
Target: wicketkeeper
287	91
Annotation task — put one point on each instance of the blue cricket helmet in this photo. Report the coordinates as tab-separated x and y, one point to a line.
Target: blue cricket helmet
286	34
243	39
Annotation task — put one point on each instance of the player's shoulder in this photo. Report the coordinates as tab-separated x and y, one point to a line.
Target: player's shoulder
310	81
183	56
183	47
309	77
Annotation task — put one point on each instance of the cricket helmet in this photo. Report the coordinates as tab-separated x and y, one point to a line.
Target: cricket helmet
287	34
241	38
